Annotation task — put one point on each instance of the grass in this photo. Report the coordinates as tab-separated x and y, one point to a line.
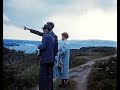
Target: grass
21	69
103	75
29	76
78	60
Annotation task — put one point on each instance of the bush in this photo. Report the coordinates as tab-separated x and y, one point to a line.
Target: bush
19	69
103	75
77	61
30	76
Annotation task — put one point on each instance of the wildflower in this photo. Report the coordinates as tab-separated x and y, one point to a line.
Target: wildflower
113	62
107	69
111	72
103	63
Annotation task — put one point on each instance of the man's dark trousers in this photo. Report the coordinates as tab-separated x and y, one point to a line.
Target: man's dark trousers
46	76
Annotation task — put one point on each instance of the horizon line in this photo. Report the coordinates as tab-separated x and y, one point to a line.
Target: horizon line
68	40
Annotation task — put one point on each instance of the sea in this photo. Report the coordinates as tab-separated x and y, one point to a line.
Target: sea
29	46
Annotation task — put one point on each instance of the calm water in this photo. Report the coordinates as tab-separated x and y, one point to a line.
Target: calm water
31	46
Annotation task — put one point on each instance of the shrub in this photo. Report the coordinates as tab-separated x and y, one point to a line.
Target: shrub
77	61
19	69
103	75
30	76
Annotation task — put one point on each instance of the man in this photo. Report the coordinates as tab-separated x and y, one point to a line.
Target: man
47	59
51	26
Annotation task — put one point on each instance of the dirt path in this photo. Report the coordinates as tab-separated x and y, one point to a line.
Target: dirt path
78	76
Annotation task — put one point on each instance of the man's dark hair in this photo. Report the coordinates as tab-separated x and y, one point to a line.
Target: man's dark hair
51	25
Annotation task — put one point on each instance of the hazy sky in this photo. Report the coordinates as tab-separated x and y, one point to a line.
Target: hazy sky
82	19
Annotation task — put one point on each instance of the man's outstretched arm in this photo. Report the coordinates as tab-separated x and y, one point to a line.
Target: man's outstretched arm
34	31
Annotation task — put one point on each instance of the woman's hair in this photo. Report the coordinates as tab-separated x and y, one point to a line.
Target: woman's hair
65	34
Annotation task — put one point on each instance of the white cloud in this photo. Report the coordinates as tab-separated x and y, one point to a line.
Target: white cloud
5	18
94	25
101	4
13	32
83	19
26	6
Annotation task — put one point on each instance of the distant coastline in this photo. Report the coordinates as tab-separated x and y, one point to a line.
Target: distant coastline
31	46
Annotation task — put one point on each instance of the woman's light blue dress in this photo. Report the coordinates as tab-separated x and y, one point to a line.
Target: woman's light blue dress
64	52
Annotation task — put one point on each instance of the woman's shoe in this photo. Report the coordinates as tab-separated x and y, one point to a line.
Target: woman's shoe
66	83
62	82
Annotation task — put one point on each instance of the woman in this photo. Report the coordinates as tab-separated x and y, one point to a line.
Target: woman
61	68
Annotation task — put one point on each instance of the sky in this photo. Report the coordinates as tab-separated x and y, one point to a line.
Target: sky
81	19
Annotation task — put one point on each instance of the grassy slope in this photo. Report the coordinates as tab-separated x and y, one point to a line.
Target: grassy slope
21	69
103	75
